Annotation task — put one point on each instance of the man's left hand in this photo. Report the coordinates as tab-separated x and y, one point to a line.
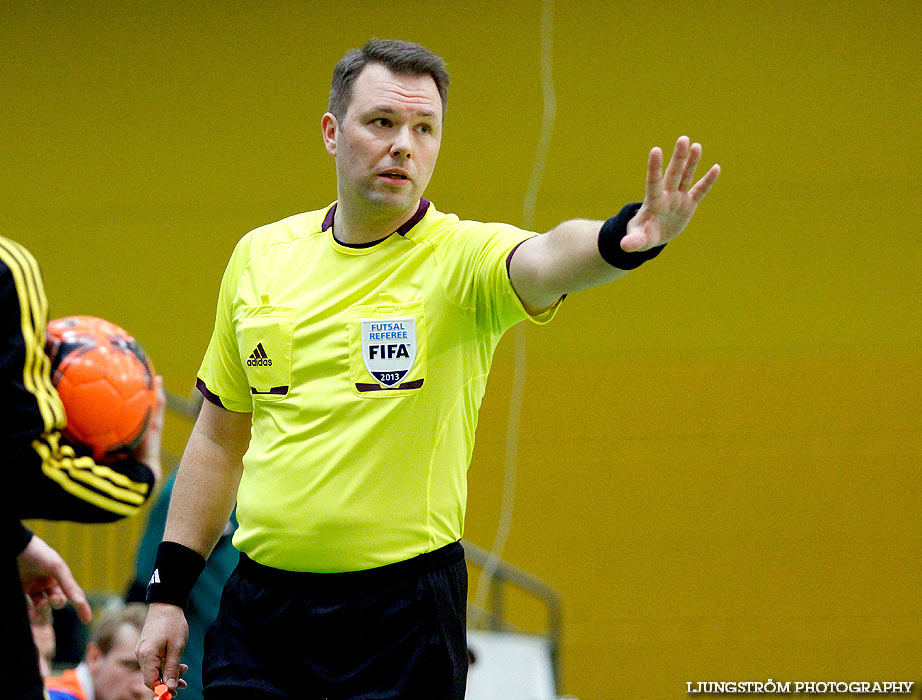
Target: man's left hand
669	201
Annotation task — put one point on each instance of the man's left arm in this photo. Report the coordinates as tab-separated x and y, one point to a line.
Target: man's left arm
581	254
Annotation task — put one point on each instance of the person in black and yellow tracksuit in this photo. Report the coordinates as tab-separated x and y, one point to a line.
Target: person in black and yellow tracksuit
43	476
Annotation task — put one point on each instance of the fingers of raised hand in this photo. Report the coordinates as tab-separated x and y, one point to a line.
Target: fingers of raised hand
704	184
674	191
688	175
655	173
676	167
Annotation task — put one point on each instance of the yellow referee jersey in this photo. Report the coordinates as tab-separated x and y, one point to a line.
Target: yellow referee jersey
364	369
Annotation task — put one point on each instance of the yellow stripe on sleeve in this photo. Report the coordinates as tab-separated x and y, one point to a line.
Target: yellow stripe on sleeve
33	310
67	471
40	319
85	494
100	470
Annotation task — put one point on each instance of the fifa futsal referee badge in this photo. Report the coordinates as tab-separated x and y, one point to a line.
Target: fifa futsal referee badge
389	348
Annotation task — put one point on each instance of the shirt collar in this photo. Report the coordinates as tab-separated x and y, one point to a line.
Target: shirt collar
86	680
403	230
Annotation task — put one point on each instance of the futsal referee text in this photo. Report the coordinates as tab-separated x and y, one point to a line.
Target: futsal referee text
388	330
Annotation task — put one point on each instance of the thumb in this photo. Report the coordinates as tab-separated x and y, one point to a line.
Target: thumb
637	238
633	242
637	232
171	672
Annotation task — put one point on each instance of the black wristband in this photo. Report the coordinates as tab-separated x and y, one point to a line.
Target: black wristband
613	230
176	569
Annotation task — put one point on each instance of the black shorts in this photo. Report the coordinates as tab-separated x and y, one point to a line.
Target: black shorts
395	632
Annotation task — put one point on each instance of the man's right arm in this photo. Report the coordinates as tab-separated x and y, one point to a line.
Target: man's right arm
570	257
203	498
209	473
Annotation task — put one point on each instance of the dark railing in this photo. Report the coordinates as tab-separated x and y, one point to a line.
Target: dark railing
509	574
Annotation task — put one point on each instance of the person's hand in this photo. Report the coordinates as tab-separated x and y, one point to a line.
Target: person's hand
669	202
148	450
47	580
161	644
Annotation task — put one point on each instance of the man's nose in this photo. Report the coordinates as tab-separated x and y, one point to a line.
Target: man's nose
402	145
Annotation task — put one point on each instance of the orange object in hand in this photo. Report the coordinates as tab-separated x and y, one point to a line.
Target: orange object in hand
162	692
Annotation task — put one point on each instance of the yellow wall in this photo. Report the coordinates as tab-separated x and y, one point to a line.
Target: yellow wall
719	459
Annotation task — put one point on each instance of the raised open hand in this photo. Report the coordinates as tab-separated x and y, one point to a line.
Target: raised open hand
669	201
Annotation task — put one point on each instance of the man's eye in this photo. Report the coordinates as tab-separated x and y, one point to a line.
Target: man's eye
381	121
425	129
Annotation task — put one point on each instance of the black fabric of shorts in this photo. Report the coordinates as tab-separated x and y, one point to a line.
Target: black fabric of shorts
394	632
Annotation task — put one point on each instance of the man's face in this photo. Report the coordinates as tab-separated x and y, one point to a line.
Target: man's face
388	141
117	675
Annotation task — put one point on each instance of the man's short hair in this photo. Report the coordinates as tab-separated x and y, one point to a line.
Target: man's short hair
110	622
402	57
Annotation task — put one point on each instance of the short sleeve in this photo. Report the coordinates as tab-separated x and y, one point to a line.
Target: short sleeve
476	274
221	377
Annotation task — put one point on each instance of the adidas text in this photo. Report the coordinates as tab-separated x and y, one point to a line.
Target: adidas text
259	358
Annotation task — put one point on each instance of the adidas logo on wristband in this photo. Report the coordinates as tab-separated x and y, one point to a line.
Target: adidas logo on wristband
181	567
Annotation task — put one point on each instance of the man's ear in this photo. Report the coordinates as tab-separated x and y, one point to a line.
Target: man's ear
330	128
92	656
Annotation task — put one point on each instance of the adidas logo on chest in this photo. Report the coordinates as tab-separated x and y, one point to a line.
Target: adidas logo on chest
259	358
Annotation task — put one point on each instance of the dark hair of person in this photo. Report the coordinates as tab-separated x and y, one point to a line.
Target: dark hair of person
402	57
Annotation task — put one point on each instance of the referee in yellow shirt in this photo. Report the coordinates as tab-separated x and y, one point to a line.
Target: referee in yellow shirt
349	357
